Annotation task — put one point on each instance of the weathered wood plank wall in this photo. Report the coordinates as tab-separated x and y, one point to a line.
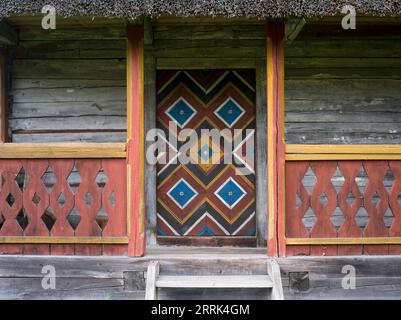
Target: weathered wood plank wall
344	87
117	278
68	84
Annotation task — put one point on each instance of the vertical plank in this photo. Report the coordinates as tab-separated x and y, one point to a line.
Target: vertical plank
323	228
376	171
35	202
114	202
9	170
150	123
295	228
88	204
261	154
136	149
395	205
350	228
3	97
151	276
61	170
275	132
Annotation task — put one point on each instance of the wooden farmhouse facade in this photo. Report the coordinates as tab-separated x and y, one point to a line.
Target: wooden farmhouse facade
77	102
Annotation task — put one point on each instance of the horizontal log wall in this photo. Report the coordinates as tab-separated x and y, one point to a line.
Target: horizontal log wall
68	84
344	87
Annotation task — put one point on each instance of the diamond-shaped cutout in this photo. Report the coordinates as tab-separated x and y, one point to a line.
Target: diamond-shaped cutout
362	180
362	218
49	179
181	112
2	220
350	198
337	179
337	218
309	180
101	179
230	193
229	112
324	199
74	218
49	218
22	219
88	199
298	200
36	199
61	200
10	200
388	218
102	217
375	198
74	180
309	219
388	180
112	199
20	179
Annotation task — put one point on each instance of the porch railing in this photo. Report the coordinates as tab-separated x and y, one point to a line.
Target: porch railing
343	200
63	198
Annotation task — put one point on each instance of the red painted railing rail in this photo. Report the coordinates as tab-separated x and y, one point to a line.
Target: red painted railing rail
343	207
63	206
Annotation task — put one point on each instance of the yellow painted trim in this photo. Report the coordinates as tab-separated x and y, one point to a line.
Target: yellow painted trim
64	240
343	241
341	156
62	150
343	149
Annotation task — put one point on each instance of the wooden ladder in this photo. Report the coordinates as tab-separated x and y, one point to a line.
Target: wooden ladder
272	280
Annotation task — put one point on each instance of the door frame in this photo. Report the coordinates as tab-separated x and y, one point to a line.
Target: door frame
259	65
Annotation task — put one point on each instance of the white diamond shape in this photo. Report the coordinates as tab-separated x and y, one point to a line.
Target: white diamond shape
189	200
216	112
189	106
223	185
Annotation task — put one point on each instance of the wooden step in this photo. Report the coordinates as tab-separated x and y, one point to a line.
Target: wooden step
250	281
271	281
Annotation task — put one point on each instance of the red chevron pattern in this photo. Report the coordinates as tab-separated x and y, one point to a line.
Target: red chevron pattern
207	197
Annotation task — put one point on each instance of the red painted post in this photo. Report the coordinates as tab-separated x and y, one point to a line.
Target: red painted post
276	144
135	143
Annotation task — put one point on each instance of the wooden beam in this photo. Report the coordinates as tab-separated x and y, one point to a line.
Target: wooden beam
62	150
275	133
293	28
299	152
3	97
8	36
63	240
344	241
136	141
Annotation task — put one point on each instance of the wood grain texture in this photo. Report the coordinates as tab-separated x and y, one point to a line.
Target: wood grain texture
342	88
68	80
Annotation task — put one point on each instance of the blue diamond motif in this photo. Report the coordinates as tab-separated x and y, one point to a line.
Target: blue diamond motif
230	193
182	193
181	112
229	112
205	152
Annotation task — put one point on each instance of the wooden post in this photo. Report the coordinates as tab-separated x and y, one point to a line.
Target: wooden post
275	133
3	97
135	141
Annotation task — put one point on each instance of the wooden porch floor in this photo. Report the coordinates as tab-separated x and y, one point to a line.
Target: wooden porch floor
80	277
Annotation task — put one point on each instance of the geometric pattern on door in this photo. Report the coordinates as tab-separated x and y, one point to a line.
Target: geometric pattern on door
206	197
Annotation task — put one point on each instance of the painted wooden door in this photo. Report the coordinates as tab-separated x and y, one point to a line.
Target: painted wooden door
212	194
